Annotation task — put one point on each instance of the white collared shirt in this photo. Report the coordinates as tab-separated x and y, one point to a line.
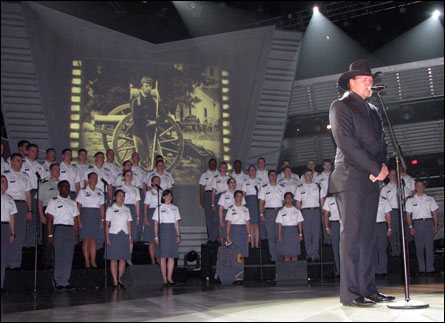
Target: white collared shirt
289	216
384	207
70	174
238	215
421	207
309	195
82	169
138	176
252	186
46	166
323	180
227	199
113	170
18	184
8	208
118	218
263	175
31	168
410	183
151	198
89	198
120	181
63	210
206	179
294	176
132	194
330	205
5	165
240	179
289	185
272	196
220	183
102	173
390	192
169	214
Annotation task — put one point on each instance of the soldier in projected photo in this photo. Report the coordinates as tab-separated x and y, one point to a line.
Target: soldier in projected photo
145	108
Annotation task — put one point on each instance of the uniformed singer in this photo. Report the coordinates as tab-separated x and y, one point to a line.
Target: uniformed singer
152	201
205	197
9	211
63	233
332	228
383	230
251	187
238	224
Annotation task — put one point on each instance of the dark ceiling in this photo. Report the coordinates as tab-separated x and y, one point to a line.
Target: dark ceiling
371	23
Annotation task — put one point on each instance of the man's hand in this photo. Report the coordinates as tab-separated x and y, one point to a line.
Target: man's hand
382	175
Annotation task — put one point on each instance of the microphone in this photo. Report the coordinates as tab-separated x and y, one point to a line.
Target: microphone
377	87
104	181
38	175
157	186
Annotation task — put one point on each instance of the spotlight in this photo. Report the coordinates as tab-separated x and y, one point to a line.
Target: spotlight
328	127
316	10
436	14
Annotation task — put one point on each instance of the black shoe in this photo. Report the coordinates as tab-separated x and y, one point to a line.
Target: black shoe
360	302
165	285
69	287
171	284
380	298
17	269
121	286
60	287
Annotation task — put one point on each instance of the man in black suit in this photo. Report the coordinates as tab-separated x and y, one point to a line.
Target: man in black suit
360	163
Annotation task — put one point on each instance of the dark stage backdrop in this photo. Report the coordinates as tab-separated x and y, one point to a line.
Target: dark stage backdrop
205	108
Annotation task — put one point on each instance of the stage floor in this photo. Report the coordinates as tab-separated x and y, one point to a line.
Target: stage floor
197	301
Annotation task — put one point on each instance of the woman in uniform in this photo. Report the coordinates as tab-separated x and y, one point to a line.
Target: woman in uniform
151	202
290	229
90	202
238	225
226	200
251	187
119	240
166	224
132	201
219	186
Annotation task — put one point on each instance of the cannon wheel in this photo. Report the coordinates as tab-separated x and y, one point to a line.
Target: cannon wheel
107	135
169	141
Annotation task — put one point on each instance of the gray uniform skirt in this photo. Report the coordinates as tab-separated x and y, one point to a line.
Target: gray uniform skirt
149	231
291	244
167	248
134	217
224	230
252	205
119	248
90	218
238	235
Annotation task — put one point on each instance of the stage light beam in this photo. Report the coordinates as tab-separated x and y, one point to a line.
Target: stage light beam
436	14
316	10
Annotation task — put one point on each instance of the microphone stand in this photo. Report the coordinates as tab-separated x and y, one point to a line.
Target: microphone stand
320	212
37	234
259	237
408	303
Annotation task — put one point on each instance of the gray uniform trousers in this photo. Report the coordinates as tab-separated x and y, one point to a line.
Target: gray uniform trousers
381	244
208	215
137	236
394	239
214	232
335	239
311	231
272	229
31	227
6	248
63	254
15	255
358	209
424	239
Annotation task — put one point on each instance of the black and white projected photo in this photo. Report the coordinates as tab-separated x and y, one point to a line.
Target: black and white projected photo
173	110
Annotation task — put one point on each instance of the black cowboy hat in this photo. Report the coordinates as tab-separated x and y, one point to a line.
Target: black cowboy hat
360	67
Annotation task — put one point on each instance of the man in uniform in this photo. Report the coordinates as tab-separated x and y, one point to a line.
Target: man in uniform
22	146
63	233
115	170
103	176
323	181
271	198
19	188
8	214
82	166
69	173
311	165
285	164
383	230
238	175
37	175
421	214
5	165
143	109
139	177
47	191
50	158
309	199
205	196
360	163
332	225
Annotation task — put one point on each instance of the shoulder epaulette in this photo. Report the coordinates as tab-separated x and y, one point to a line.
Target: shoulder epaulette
54	198
6	172
265	185
301	185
